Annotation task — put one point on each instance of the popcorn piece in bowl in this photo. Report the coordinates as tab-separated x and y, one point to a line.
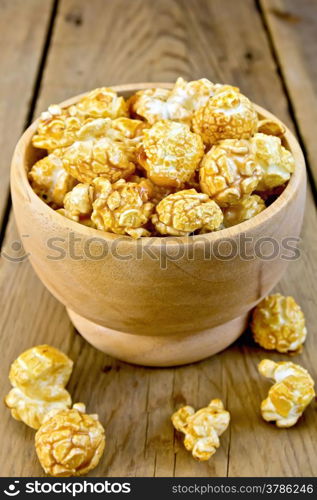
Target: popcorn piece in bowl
202	428
177	104
170	153
50	180
57	128
245	209
227	115
186	211
276	162
278	323
102	103
229	171
271	127
38	376
289	396
123	207
78	202
70	442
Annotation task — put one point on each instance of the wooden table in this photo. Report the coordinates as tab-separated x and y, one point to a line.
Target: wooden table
51	50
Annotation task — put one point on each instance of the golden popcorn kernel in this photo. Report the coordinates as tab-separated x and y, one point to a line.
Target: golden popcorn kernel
49	179
122	207
102	103
227	115
170	153
78	202
278	323
202	428
229	171
276	162
177	104
289	396
245	209
271	127
38	376
184	212
70	442
57	128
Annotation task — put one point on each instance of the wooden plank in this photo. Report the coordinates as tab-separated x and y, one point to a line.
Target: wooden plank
23	27
292	26
94	44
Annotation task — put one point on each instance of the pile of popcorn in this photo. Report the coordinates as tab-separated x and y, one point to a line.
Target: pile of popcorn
187	160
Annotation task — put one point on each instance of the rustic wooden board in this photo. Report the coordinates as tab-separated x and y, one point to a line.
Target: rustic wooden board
23	28
293	27
103	42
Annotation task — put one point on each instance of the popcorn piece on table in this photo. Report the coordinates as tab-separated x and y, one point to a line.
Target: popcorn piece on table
202	428
289	396
181	213
78	202
102	103
245	209
229	171
57	128
278	323
170	153
38	376
50	180
276	162
227	115
123	207
70	442
177	104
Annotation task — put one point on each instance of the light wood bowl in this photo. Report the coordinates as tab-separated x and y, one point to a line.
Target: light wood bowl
140	308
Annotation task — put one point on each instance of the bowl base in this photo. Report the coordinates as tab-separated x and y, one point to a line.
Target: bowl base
159	351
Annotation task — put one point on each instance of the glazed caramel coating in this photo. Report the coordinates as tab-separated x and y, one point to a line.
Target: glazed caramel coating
78	202
278	323
276	162
38	376
202	428
271	127
181	213
227	115
177	104
170	153
57	128
229	171
102	103
123	207
289	396
50	180
70	442
245	209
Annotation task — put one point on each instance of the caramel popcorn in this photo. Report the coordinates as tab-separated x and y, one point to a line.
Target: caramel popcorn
184	212
271	127
276	162
177	104
202	428
245	209
38	376
278	323
229	171
50	180
123	207
170	153
70	442
102	103
78	202
227	115
289	396
57	128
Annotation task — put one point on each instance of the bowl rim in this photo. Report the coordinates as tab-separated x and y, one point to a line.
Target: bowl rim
18	167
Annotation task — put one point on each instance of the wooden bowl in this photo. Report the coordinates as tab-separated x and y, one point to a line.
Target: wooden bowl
157	301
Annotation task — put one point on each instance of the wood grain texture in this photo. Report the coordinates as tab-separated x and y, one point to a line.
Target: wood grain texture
292	26
159	41
23	27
